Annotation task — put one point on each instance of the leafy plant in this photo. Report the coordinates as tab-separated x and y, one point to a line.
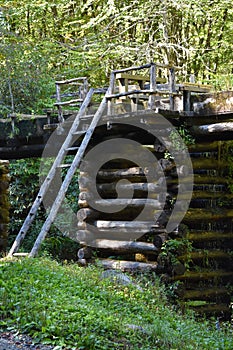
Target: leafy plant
69	306
25	173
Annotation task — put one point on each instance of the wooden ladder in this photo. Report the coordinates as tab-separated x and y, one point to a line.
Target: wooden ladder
52	173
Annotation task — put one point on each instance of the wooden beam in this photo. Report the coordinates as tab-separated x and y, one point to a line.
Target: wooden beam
194	87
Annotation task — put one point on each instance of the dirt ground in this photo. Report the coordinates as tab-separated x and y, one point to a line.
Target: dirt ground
14	341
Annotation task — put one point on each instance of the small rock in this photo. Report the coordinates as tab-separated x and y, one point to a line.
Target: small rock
119	278
134	327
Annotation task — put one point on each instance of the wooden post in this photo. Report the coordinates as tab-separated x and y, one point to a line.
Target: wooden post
151	102
186	100
110	92
58	100
171	87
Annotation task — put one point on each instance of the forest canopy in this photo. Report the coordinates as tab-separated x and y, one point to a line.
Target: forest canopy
41	41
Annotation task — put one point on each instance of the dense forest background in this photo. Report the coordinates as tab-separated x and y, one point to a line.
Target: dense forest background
41	41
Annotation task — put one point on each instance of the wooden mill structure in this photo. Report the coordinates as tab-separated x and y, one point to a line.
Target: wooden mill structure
147	109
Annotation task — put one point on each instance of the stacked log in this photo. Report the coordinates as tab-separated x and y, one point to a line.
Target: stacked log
123	184
209	230
198	254
4	203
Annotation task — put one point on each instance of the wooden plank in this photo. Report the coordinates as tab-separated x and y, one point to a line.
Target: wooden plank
148	65
195	87
69	81
137	77
20	254
66	103
149	92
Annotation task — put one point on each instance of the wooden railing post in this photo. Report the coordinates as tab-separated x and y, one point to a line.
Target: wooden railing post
171	86
111	91
58	100
151	102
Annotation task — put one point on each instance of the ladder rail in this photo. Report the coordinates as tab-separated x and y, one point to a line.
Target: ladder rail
44	187
64	187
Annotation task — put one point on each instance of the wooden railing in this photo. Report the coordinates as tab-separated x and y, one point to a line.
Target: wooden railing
81	92
152	84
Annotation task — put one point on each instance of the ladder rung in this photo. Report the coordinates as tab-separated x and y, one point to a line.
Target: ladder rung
72	149
20	254
64	166
79	132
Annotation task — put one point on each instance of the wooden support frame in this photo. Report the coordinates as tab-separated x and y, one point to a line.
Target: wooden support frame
82	84
188	88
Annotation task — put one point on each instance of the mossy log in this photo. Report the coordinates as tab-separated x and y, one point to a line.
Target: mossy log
87	214
85	253
206	146
195	215
130	266
210	294
119	227
91	235
222	310
206	163
177	268
202	236
208	254
212	128
205	275
128	213
208	195
159	239
104	176
125	173
138	189
126	246
198	179
118	204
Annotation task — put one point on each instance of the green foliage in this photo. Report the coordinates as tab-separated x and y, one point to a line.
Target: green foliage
74	307
181	139
26	85
41	41
24	187
227	155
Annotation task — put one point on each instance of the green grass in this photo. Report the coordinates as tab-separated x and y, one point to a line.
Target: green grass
71	306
